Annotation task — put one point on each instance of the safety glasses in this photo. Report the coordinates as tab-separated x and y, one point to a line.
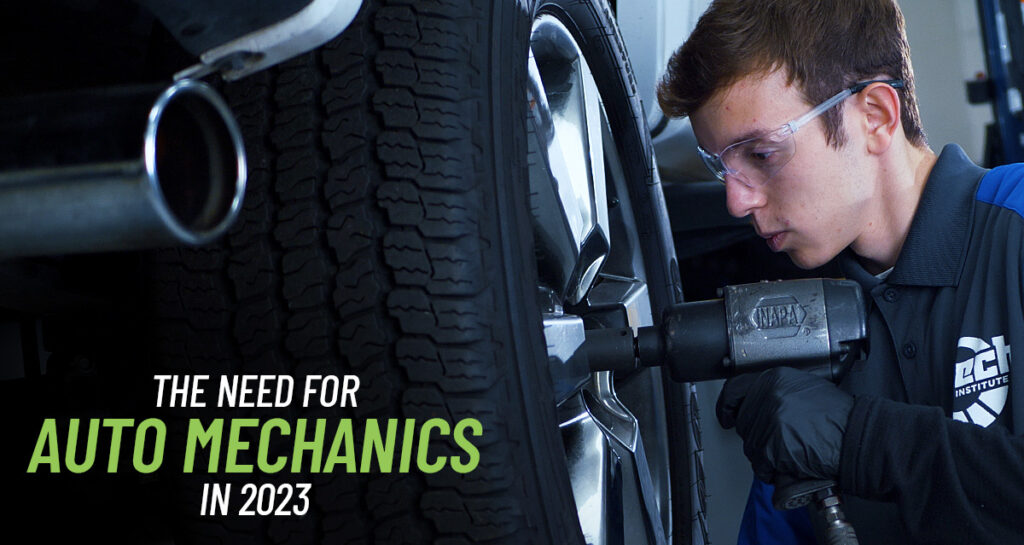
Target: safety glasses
754	161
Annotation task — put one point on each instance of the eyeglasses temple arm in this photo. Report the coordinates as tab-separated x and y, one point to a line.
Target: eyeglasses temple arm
818	110
839	97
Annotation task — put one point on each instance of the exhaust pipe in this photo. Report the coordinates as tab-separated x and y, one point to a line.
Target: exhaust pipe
125	169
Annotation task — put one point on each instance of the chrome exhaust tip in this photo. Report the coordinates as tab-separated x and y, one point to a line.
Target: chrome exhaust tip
195	162
184	185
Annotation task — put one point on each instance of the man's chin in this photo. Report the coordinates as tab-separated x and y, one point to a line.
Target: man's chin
804	260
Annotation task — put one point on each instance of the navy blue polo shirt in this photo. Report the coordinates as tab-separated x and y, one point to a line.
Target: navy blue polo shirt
929	453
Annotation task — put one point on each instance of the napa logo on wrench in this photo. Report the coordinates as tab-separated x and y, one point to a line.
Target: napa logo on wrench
982	380
778	317
778	313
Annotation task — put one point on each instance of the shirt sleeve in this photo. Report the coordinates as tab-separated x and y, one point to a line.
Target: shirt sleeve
953	482
762	524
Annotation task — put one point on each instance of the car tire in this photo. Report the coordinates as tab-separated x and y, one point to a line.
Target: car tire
387	233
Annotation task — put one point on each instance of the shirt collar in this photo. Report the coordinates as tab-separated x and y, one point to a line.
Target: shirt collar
853	270
933	253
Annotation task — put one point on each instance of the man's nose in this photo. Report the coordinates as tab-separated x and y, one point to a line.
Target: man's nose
740	198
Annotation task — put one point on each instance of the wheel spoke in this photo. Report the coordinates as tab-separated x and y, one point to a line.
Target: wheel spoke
619	424
567	176
596	474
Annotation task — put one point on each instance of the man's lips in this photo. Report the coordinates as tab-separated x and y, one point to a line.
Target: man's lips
774	239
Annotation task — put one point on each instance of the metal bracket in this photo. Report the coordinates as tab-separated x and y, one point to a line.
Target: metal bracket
313	26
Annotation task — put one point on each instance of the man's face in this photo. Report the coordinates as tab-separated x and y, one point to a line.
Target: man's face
815	205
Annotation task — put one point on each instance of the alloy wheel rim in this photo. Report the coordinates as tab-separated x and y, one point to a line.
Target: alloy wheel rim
573	161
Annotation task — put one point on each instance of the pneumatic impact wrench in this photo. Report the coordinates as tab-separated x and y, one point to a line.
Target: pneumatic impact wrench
818	325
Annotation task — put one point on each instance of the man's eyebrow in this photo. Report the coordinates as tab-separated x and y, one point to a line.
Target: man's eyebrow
749	135
753	133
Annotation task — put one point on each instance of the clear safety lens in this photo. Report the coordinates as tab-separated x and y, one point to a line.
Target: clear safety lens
756	160
753	161
713	162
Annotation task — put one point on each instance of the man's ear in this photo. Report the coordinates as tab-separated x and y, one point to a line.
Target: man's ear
880	108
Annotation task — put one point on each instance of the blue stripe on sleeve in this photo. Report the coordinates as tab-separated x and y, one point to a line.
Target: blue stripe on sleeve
762	524
1002	187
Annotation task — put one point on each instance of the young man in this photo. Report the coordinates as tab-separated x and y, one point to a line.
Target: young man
806	111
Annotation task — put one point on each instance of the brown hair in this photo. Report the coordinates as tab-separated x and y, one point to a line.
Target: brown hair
825	45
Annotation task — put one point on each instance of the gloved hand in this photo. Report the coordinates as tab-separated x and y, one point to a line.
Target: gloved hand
791	422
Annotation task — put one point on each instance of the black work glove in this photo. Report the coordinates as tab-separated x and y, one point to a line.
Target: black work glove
791	422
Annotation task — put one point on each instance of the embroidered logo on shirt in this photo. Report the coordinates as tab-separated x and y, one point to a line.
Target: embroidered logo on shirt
982	380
